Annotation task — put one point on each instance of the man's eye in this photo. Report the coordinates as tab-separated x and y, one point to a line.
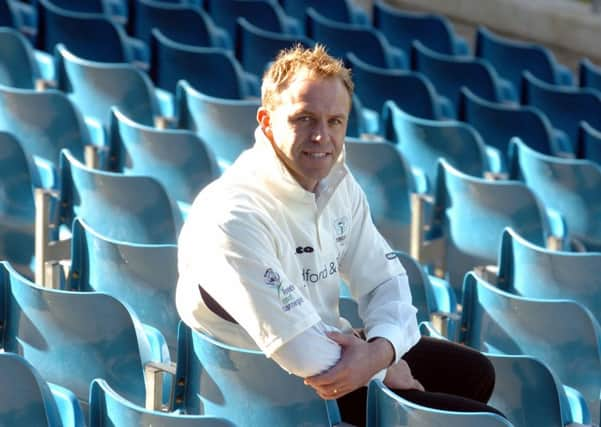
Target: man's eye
336	121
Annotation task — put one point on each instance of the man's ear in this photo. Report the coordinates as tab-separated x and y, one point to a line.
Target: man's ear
264	119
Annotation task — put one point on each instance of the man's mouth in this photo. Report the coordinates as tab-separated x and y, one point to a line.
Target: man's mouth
317	155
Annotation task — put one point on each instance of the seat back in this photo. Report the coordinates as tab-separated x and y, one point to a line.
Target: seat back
424	141
226	125
17	65
498	322
88	6
386	408
569	186
589	74
386	179
73	337
336	10
134	209
412	92
242	385
588	144
97	86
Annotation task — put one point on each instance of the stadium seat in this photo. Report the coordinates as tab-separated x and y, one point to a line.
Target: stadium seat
213	71
26	399
589	74
568	186
401	27
588	144
368	44
18	15
336	10
18	67
226	125
114	9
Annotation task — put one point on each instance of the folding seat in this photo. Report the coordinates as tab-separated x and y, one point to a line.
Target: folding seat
18	67
243	386
368	44
27	400
104	41
266	14
256	47
386	408
74	337
401	27
107	407
115	9
560	333
449	74
497	123
568	186
179	159
424	141
512	57
213	71
589	74
181	23
226	125
336	10
588	144
565	107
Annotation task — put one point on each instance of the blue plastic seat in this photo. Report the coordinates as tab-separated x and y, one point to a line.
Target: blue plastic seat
367	44
72	338
226	125
27	400
256	47
450	73
568	186
566	107
410	91
561	333
107	407
589	74
18	67
18	15
243	386
266	14
213	71
424	141
179	159
336	10
386	408
115	9
588	144
179	22
401	27
95	87
512	57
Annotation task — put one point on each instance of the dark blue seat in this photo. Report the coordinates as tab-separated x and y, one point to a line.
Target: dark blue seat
18	15
367	44
213	71
401	27
589	74
336	10
512	57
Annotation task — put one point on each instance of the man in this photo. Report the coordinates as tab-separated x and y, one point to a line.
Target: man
264	247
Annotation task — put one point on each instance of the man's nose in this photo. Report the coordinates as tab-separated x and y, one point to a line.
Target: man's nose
320	132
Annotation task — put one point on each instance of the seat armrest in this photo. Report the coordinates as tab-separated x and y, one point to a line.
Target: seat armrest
564	75
558	238
69	410
577	409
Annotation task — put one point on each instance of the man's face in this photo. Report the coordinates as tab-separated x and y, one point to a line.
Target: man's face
307	126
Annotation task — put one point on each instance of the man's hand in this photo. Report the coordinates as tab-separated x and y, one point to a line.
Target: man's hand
399	377
359	362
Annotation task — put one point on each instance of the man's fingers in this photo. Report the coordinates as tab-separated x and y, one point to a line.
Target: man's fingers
341	339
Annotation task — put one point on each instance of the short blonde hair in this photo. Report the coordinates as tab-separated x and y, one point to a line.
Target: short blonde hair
290	62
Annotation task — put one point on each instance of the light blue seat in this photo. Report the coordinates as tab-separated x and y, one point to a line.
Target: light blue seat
511	57
336	10
266	14
588	144
561	333
18	67
401	27
18	15
450	73
256	47
213	71
104	41
243	386
226	125
367	43
27	400
97	86
179	159
179	22
424	141
497	123
72	338
566	107
589	74
385	408
568	186
410	91
108	408
142	276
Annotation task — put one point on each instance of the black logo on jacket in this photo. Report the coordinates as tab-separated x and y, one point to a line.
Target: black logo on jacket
304	250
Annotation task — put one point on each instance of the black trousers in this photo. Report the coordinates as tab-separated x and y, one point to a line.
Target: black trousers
456	378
